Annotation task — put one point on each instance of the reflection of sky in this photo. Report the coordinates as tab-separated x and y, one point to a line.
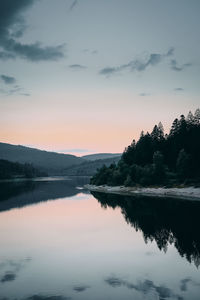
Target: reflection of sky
77	249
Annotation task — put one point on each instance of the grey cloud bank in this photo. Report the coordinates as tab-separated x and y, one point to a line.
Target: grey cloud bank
12	26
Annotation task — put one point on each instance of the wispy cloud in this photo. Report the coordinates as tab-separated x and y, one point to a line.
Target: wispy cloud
77	67
138	64
11	87
176	67
178	89
80	288
90	51
143	287
72	6
8	79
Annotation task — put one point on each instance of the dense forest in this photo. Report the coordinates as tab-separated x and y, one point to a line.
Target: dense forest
9	170
89	168
158	158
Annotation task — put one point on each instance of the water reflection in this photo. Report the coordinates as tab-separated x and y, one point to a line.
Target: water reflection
166	221
144	287
22	193
72	248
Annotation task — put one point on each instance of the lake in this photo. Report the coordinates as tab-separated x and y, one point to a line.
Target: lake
58	241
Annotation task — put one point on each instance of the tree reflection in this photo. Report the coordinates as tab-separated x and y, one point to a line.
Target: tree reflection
165	221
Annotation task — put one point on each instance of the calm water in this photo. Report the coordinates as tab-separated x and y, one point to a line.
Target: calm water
60	242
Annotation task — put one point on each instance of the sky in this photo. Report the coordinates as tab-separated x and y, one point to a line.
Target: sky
87	76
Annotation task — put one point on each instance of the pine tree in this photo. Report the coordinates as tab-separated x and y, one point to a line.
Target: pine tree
197	117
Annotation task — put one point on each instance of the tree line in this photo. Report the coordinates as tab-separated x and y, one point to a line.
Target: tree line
9	170
158	158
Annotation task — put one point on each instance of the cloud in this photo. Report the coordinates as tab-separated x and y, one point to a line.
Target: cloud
179	89
74	3
12	26
184	284
144	94
109	70
14	268
144	287
175	67
9	276
16	89
77	67
139	64
81	288
25	94
8	79
44	297
90	51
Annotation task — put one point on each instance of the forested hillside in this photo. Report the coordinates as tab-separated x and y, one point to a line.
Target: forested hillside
89	168
157	159
10	170
50	162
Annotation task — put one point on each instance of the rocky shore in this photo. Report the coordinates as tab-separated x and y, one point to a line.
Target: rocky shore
187	193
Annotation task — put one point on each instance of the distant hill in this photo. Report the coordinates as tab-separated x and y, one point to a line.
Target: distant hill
92	157
50	162
89	168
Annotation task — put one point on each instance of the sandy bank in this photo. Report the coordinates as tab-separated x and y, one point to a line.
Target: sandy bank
189	193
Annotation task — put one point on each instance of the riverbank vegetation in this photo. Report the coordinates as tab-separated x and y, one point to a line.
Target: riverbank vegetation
158	158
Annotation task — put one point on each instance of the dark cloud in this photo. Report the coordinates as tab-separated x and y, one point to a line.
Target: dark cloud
12	26
81	288
109	70
144	287
77	67
8	79
175	67
179	89
9	276
12	269
74	3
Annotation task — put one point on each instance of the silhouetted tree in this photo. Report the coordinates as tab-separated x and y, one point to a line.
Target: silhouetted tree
157	158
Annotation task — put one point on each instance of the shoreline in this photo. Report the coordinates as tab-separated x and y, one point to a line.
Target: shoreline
185	193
